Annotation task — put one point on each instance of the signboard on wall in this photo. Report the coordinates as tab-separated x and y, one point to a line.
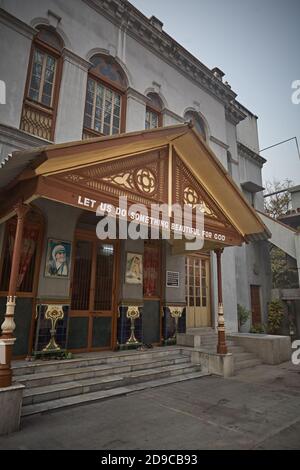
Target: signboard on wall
172	278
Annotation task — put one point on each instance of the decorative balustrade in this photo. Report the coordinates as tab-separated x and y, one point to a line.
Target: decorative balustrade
37	121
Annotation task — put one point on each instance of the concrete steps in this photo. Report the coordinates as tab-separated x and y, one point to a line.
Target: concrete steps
105	394
59	384
235	349
91	359
80	373
242	359
92	384
243	364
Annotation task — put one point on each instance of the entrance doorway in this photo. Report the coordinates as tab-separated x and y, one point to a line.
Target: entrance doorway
255	305
93	300
152	292
197	278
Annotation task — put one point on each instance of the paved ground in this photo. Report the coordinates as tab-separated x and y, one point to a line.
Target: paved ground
257	409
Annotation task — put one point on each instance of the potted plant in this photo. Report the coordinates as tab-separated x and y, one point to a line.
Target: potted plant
257	328
243	315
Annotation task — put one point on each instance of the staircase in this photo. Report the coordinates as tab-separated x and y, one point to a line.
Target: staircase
93	377
241	358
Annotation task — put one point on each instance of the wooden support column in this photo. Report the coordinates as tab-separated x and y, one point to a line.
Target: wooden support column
8	326
221	348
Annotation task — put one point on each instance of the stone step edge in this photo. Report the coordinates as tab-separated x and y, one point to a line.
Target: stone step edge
139	373
61	387
100	367
105	394
247	363
66	367
246	357
114	356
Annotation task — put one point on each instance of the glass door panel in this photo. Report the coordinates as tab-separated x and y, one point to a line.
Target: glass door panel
92	302
82	275
104	277
197	291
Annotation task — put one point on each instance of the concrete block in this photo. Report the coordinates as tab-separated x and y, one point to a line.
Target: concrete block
213	363
190	340
10	408
271	349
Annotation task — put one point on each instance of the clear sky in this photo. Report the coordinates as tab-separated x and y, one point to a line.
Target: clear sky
257	44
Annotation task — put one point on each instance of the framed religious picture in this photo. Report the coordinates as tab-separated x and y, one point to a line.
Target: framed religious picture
58	259
134	268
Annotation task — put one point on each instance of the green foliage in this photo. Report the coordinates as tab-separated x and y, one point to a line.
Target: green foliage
257	328
284	270
67	355
277	204
243	315
278	266
275	316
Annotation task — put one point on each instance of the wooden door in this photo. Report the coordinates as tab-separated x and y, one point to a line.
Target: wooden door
198	292
93	303
152	292
255	304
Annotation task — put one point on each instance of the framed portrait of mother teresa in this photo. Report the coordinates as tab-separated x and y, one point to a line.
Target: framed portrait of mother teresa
58	258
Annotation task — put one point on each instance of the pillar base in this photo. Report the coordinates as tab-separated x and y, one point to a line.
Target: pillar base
218	364
5	376
10	406
6	346
221	346
222	349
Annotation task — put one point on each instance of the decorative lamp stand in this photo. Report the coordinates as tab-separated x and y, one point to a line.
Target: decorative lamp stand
129	326
51	330
132	313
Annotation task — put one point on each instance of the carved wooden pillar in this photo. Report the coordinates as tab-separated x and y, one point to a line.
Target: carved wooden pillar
221	348
8	326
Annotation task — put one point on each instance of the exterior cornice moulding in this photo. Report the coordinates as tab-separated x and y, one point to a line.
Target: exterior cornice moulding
22	138
233	114
219	142
76	60
126	16
16	24
245	152
136	95
244	109
171	114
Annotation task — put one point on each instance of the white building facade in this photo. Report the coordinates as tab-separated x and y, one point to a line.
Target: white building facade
150	81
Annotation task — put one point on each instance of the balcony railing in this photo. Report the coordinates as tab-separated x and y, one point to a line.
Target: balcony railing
37	121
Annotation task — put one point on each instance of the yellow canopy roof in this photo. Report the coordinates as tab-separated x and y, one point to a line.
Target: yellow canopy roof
190	147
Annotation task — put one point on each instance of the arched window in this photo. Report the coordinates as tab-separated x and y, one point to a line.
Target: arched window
154	106
42	86
197	121
105	98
